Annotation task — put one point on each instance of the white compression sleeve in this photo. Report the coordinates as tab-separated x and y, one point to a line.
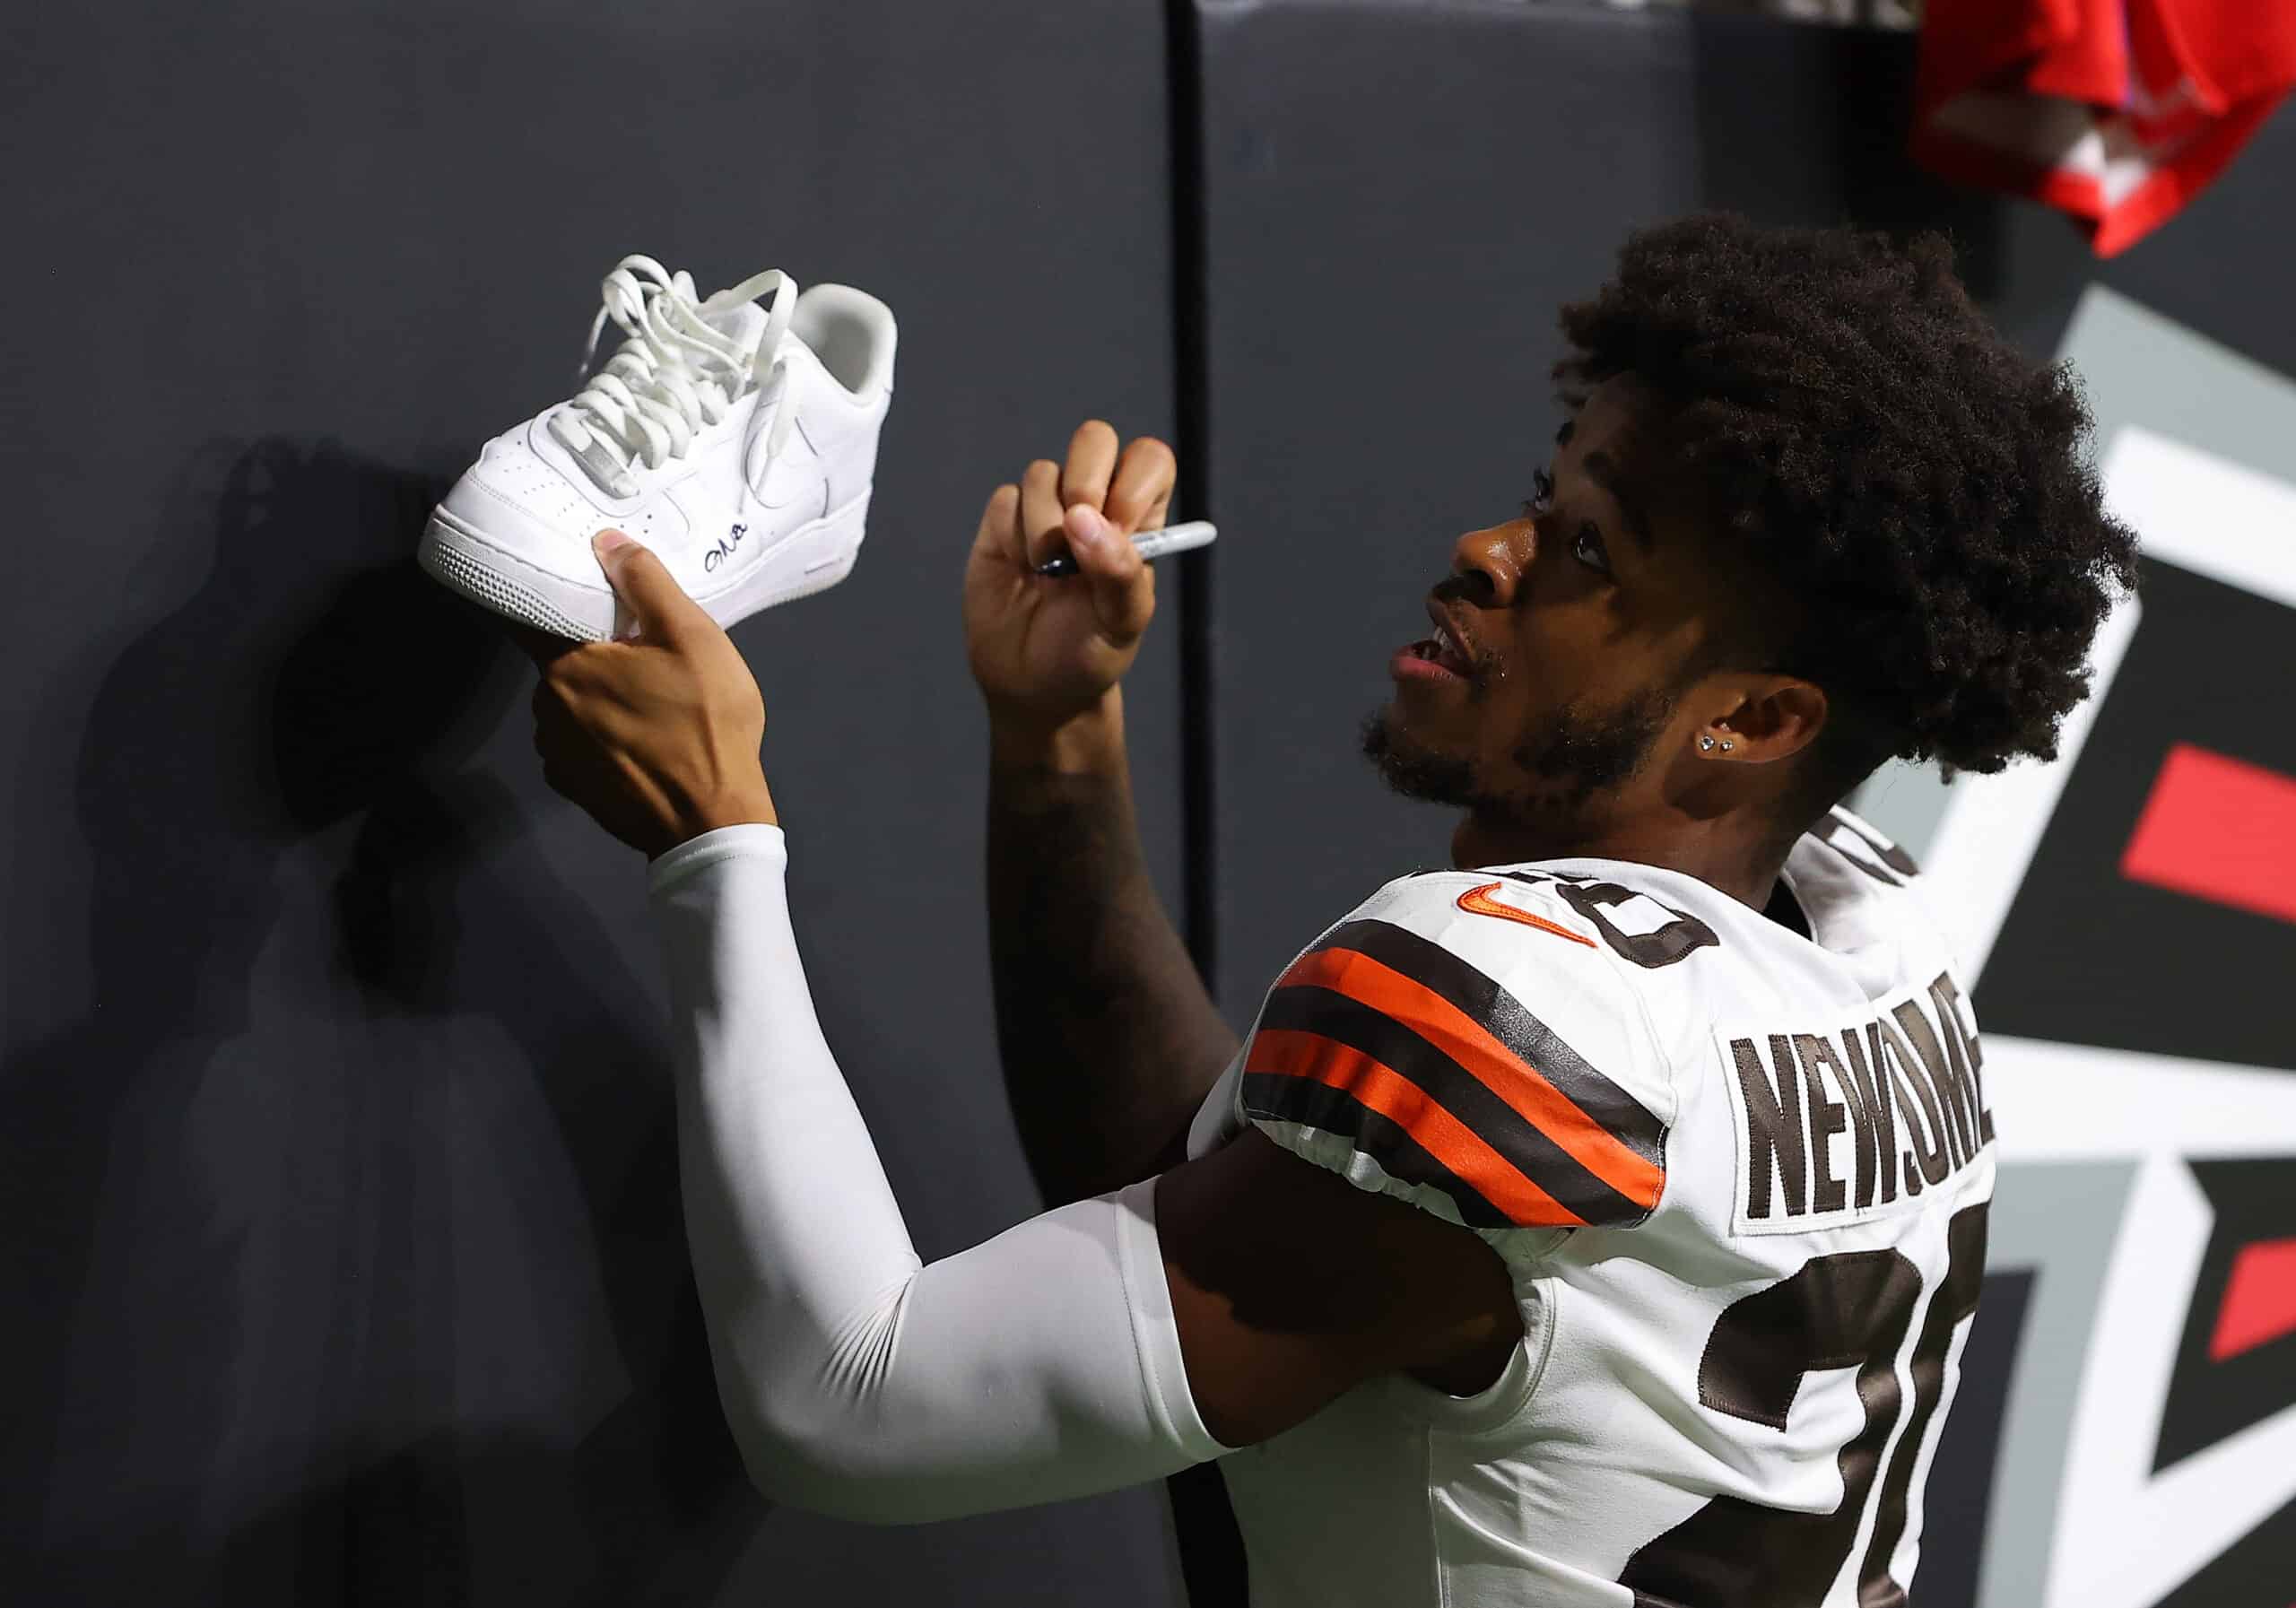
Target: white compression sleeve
860	1383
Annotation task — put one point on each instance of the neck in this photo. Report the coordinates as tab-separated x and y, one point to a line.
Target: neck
1729	852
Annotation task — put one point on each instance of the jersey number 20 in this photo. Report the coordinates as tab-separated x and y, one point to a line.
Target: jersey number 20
1850	1307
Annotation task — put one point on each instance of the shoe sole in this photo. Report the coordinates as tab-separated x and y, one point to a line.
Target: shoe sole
812	558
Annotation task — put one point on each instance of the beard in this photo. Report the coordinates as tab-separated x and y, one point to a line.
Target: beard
1568	762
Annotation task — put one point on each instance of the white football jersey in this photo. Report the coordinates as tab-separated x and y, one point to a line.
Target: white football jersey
1739	1176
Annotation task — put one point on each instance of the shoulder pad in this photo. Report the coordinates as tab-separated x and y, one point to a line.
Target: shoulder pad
1466	1037
1857	842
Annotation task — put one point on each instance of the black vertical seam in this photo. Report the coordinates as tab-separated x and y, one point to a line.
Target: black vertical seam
1199	736
1214	1572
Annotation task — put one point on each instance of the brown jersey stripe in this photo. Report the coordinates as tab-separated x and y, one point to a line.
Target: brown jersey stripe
1464	1097
1522	1084
1311	1059
1283	1098
1506	1018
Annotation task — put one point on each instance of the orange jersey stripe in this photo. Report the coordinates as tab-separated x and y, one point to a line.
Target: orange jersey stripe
1379	1088
1504	1072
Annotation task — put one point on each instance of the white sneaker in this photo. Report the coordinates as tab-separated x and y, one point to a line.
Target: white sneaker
739	446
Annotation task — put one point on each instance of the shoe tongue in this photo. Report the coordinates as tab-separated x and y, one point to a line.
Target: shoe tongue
743	323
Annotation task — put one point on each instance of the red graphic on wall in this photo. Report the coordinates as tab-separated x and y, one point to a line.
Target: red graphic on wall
2259	1299
2218	828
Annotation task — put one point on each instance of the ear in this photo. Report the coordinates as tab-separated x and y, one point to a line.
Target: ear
1775	716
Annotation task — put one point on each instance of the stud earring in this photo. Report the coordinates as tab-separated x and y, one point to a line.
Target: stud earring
1726	747
1705	743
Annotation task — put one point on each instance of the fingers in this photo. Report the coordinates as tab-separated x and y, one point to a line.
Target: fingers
1091	459
565	681
1134	489
1124	589
650	595
1041	511
567	754
556	733
1141	492
540	646
999	535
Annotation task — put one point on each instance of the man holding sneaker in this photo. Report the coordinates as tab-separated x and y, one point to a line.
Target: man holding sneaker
1595	1223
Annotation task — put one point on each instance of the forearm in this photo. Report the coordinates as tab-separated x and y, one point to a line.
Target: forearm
1108	1039
1041	1364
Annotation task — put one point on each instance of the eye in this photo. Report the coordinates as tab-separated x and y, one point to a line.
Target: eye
1542	497
1586	545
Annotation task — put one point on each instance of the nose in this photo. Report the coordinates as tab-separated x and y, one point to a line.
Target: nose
1488	565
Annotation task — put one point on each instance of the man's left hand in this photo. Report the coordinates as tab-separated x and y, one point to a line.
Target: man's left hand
655	734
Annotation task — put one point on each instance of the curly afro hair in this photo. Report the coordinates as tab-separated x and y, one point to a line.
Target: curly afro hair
1919	491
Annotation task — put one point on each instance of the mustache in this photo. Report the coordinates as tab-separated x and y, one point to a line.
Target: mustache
1451	589
1482	662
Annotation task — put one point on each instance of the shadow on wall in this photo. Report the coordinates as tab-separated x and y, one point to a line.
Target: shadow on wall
346	1262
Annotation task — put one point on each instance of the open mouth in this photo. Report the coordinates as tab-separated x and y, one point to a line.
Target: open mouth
1441	650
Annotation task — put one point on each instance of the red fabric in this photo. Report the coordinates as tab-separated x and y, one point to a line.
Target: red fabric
2116	111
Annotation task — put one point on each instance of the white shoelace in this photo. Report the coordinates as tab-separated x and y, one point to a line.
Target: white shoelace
674	376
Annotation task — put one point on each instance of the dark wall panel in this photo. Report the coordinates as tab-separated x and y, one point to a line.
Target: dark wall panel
344	1261
1397	198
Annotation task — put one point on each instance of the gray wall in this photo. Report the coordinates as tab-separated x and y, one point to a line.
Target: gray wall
343	1261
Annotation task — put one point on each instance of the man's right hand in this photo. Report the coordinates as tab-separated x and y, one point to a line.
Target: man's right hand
1047	649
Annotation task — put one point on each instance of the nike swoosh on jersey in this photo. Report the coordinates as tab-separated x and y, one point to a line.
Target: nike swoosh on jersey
1444	1078
1478	902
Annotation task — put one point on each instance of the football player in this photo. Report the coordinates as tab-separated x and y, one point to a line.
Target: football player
1597	1222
